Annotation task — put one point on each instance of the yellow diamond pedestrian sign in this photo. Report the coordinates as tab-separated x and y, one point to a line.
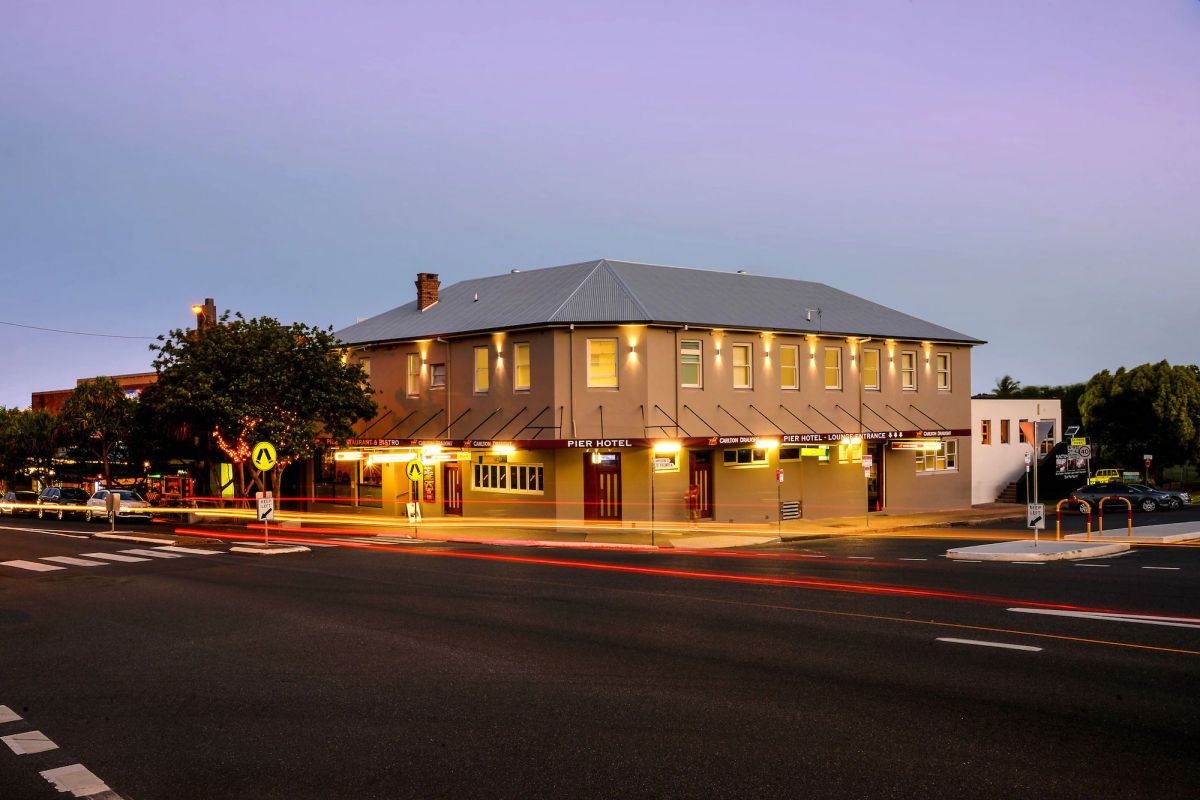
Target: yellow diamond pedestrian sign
414	469
263	456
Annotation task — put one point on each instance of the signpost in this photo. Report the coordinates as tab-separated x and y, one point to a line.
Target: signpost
415	470
263	456
112	504
266	512
1036	519
1149	458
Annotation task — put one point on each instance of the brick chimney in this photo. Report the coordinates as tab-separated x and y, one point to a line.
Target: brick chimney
427	289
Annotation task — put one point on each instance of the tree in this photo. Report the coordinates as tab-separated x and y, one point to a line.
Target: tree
1152	408
1006	387
12	456
97	417
248	380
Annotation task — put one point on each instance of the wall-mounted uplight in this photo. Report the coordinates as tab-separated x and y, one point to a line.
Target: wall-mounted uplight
766	444
503	449
666	447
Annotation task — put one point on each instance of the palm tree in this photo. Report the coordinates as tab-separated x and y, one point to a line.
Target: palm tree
1006	386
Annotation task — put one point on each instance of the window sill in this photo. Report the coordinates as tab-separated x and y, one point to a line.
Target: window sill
930	472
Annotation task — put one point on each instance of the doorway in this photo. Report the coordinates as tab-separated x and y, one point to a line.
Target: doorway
602	486
452	499
875	498
700	476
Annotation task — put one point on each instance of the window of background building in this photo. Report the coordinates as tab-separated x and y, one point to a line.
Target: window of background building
1020	431
482	374
943	372
412	381
602	363
940	460
744	456
365	363
789	366
437	376
833	367
908	370
985	431
870	369
521	369
742	373
1004	431
691	370
1047	444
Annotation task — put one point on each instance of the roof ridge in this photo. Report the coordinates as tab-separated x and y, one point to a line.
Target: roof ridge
554	314
617	276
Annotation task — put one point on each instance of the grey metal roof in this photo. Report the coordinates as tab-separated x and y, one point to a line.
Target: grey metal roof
605	291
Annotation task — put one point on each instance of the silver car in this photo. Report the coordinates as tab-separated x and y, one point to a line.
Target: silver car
133	505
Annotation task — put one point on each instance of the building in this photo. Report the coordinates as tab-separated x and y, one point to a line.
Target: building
616	391
998	445
53	400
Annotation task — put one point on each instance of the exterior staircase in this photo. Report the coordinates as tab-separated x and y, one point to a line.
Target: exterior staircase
1009	495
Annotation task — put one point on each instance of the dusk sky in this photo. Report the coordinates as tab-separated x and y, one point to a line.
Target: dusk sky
1024	172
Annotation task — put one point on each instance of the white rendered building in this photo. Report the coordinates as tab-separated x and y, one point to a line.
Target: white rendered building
998	446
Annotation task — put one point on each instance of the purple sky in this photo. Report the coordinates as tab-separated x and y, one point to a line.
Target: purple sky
1025	172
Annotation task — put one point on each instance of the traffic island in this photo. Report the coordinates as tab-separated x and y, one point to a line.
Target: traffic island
1169	533
1028	550
269	549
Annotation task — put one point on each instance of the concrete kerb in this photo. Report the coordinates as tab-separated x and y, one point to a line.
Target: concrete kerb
122	536
269	549
1028	550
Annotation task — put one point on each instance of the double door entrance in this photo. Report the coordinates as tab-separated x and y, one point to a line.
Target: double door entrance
602	486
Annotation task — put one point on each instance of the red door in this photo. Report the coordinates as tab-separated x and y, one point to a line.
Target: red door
700	476
602	486
452	502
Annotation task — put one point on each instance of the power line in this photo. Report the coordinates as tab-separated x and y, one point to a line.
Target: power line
75	333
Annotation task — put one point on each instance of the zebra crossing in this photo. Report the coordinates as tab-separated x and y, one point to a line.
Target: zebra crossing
92	560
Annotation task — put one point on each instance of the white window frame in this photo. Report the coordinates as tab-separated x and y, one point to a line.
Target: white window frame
434	383
871	386
412	376
908	374
748	349
501	478
521	363
785	368
944	459
943	372
746	457
837	367
596	379
482	374
696	352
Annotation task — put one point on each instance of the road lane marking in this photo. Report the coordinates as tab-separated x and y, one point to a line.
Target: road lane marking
8	715
1141	619
74	562
1028	563
982	643
187	550
151	553
913	559
76	779
1104	566
964	561
33	566
43	530
28	742
1173	568
114	557
862	558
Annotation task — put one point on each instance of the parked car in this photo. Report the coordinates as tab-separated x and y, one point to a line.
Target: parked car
11	500
133	505
1140	496
61	496
1105	476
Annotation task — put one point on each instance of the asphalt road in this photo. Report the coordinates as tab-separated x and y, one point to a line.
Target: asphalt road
426	670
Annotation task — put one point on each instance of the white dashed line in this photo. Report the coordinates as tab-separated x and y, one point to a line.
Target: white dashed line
913	559
1105	566
76	779
1170	568
965	561
114	557
8	715
982	643
33	566
28	742
1029	563
1141	619
42	530
152	553
862	558
74	562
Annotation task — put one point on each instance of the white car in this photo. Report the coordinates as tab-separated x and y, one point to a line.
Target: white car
133	506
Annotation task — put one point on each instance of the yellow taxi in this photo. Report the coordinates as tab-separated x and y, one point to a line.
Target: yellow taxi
1105	476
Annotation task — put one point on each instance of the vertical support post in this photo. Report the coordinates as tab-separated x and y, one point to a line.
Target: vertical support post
651	452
